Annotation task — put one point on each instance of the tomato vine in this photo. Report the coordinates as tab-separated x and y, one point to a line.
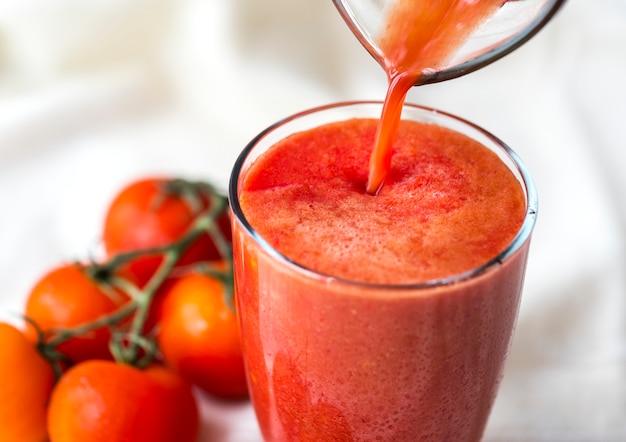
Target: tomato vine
130	342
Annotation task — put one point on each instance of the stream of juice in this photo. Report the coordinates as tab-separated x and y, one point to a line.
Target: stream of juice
418	35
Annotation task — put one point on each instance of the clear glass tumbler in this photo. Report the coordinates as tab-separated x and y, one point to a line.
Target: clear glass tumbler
339	360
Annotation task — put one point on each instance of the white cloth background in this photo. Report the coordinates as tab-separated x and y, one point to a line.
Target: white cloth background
94	93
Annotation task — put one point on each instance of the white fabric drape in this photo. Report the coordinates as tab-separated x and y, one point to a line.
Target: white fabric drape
94	93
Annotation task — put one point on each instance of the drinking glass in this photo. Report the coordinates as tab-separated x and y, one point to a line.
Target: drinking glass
330	359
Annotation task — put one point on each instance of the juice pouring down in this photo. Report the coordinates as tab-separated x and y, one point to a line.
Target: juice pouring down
379	255
422	41
418	36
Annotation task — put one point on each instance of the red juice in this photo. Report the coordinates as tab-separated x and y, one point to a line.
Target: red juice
418	36
382	317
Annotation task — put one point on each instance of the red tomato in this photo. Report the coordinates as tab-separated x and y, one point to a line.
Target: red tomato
27	381
102	401
67	297
199	336
155	212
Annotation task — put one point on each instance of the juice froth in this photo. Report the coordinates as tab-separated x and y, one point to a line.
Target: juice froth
448	205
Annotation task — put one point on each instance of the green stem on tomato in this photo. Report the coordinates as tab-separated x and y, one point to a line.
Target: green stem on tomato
127	287
225	250
125	346
62	335
48	352
206	222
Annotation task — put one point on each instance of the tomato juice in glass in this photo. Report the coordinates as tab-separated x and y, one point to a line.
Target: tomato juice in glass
377	317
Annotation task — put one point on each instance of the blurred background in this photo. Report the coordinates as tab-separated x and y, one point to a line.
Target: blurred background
95	93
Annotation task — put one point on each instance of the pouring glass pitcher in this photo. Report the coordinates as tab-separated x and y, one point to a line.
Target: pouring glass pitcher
505	26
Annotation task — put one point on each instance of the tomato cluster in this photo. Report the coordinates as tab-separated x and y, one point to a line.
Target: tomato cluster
114	348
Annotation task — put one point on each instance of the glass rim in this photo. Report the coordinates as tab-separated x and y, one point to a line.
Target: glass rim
523	234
